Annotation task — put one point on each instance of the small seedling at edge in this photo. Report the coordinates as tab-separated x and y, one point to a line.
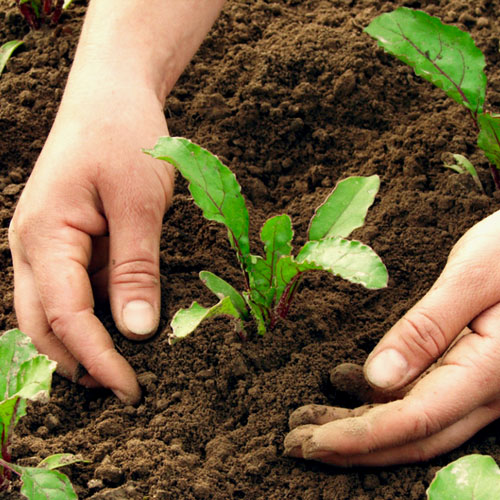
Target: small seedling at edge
447	57
36	12
463	166
6	51
27	375
271	280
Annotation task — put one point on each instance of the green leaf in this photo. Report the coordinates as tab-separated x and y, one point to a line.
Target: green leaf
351	260
6	51
222	289
489	137
11	410
15	349
286	270
442	54
43	484
471	477
276	234
60	460
257	315
67	3
462	166
24	374
345	208
262	287
35	378
185	321
213	186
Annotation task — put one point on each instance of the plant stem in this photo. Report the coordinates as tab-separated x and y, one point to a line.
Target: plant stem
286	299
495	173
58	9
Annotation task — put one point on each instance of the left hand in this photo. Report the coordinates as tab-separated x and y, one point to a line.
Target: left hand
448	404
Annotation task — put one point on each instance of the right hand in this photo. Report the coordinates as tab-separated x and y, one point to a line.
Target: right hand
88	223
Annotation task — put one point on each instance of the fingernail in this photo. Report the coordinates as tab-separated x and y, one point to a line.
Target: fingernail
127	399
386	369
295	439
139	317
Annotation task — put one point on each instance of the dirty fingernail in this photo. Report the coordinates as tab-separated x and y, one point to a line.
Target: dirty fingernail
386	369
294	440
310	449
139	317
128	399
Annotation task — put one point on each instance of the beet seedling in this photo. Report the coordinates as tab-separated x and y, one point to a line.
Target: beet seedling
447	57
25	374
271	280
36	12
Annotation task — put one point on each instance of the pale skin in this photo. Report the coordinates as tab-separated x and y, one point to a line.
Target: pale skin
88	226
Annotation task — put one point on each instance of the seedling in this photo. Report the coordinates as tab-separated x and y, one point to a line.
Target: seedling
36	12
463	166
471	477
6	51
271	280
447	57
25	374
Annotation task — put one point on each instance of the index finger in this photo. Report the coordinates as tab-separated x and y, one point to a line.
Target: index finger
66	295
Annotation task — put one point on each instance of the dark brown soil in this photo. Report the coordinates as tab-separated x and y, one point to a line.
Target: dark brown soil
292	96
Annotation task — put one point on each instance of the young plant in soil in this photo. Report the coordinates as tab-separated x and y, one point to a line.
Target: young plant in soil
463	166
470	477
27	375
272	279
6	51
37	12
447	57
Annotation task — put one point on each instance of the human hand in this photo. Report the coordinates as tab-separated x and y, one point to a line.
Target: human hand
89	222
444	407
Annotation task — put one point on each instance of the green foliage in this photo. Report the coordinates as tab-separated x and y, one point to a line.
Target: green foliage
447	57
27	375
442	54
471	477
6	51
271	279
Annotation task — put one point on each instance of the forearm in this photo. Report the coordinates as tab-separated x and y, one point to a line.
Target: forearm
145	44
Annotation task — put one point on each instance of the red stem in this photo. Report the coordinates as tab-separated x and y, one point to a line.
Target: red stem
57	11
29	14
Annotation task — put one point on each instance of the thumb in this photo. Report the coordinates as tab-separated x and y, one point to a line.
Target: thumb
134	277
467	286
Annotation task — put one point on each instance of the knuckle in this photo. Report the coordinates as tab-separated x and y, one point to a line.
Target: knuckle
424	423
98	365
423	335
24	229
139	272
61	322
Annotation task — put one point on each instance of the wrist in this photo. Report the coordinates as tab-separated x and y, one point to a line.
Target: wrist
143	44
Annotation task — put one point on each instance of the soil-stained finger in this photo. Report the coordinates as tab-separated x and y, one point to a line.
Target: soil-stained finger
416	451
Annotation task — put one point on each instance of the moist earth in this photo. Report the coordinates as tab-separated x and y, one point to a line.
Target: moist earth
292	96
